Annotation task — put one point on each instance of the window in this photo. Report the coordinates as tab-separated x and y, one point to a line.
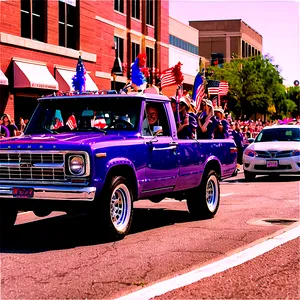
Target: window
155	120
174	41
120	48
34	19
119	5
136	9
149	12
68	25
135	51
150	57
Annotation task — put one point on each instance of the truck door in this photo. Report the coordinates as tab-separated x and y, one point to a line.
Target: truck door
191	165
162	160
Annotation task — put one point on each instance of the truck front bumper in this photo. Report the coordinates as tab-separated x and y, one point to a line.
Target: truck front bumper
54	193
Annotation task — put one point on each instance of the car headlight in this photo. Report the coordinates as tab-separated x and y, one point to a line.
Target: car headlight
296	153
250	153
76	165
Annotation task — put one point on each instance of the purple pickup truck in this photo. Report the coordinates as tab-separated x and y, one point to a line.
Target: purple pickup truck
98	153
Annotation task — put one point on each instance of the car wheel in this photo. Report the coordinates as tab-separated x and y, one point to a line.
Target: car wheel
115	207
204	202
249	175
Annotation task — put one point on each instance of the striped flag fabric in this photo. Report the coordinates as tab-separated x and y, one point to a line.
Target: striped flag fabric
223	88
72	122
167	78
213	87
199	96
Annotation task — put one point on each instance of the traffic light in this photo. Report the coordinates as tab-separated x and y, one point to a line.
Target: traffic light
217	59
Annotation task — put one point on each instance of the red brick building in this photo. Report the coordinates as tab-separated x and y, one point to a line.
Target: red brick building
40	43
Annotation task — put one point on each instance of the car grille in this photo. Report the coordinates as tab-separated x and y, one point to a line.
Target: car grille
274	154
32	166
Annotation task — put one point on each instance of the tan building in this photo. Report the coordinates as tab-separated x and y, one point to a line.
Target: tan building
227	37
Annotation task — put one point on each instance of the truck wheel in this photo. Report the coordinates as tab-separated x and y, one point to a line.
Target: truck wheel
117	206
249	175
204	201
8	216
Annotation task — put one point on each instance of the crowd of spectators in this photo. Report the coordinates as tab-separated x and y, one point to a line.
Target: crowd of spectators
8	128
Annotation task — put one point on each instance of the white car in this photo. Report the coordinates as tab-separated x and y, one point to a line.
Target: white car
276	150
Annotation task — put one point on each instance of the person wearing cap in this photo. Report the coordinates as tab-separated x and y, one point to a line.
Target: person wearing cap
183	130
221	130
207	122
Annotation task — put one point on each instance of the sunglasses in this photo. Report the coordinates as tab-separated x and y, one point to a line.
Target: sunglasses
203	104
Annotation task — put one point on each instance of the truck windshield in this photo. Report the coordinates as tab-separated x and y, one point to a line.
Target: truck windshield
85	114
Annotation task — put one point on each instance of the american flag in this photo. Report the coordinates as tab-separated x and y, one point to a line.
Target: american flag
72	122
167	78
223	88
213	87
199	96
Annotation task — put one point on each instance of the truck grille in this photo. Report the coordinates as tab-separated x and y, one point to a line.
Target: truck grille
32	166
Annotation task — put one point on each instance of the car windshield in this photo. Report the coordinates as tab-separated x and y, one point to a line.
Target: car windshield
97	114
279	135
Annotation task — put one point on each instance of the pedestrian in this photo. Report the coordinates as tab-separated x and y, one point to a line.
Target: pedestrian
239	141
10	126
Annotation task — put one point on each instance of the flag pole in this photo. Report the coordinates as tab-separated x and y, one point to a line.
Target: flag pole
177	104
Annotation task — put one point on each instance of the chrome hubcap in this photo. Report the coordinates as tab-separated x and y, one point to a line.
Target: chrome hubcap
120	207
212	193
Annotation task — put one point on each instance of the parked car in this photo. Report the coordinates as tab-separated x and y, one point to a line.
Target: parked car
64	162
275	151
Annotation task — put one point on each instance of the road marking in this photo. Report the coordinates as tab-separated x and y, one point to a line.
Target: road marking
224	264
173	200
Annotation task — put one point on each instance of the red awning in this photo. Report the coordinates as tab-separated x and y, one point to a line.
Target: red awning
3	79
64	79
33	75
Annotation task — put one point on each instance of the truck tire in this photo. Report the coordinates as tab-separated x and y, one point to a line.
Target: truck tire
249	176
204	202
8	216
116	207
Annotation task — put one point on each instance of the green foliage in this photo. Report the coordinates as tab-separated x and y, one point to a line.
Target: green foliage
255	85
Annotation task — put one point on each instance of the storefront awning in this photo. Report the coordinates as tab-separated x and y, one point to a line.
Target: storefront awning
3	79
34	76
64	79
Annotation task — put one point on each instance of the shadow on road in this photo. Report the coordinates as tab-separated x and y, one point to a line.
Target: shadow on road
265	178
66	232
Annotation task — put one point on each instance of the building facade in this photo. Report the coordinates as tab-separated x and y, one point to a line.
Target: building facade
227	37
40	43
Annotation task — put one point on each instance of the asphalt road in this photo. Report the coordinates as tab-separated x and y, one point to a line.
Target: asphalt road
61	257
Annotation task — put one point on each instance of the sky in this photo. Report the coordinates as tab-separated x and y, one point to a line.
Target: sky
277	21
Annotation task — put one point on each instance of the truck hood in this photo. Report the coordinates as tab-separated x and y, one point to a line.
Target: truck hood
59	141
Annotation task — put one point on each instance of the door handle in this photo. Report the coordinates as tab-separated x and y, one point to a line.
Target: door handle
173	147
173	144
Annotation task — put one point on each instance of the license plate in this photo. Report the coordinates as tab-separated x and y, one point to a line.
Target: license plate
21	192
272	164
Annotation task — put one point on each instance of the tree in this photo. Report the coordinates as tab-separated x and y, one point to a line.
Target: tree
252	83
293	93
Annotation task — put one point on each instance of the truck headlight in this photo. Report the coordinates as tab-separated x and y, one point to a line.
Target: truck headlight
76	165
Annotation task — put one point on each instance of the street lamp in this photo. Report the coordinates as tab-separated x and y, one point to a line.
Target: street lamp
117	69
